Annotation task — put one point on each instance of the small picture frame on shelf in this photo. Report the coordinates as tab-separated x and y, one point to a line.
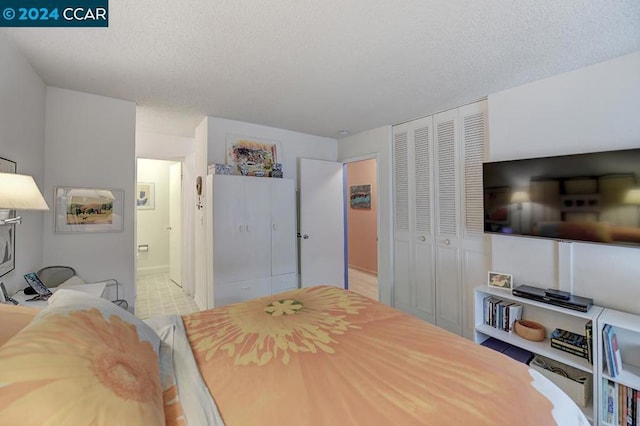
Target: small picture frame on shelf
500	280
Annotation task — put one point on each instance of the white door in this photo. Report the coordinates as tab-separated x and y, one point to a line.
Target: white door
283	227
175	221
321	223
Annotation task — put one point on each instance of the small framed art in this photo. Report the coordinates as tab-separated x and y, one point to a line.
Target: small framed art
146	196
500	280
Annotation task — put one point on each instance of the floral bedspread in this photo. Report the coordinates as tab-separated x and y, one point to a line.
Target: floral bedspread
323	355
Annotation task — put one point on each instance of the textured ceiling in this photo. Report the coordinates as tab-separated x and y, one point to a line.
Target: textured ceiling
321	66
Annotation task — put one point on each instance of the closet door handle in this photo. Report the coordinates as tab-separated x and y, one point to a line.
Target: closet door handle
240	228
423	238
446	241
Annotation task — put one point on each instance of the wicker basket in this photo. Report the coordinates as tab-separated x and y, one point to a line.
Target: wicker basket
579	392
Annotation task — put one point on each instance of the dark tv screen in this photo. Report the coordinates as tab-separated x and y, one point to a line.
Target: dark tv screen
593	197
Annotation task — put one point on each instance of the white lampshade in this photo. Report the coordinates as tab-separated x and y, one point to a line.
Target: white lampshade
520	197
20	192
632	196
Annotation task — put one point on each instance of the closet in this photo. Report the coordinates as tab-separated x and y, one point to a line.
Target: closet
439	253
251	233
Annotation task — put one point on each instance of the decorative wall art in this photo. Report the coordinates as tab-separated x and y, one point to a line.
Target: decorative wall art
7	248
146	196
360	197
250	156
88	210
7	232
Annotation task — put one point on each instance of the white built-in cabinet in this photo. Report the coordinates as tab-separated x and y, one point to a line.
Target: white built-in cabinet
251	226
439	249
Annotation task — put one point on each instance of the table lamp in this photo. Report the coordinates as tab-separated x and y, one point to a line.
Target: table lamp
18	192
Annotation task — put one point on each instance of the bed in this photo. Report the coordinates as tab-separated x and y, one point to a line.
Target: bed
317	355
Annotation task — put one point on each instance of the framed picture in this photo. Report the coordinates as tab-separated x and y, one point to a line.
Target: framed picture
146	196
7	232
7	248
88	209
360	197
500	280
252	156
7	166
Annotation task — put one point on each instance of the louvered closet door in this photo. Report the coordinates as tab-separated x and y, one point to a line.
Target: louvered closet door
447	238
475	256
413	211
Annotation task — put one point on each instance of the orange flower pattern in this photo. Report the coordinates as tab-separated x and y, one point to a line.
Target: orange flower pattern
80	368
261	330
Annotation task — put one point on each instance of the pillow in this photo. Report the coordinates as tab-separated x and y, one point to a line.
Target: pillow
82	360
74	280
65	300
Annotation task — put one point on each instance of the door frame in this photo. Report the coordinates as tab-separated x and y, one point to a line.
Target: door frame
345	161
184	212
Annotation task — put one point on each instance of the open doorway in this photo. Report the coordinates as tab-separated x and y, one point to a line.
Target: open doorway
361	221
158	236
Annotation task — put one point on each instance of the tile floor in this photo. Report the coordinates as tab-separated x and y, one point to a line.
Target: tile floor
157	295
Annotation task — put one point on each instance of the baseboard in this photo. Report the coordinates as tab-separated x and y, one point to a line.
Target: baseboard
374	273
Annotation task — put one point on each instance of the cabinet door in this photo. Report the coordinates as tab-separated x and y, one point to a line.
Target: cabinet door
283	227
228	228
414	277
474	254
256	233
447	172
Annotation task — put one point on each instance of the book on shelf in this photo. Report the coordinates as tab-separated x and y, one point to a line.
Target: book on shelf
573	339
588	332
636	405
617	357
607	352
571	347
514	314
611	350
569	350
620	404
610	413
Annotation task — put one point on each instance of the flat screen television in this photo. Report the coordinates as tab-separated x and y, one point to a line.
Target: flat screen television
593	197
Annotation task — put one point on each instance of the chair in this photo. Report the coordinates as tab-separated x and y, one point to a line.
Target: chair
53	276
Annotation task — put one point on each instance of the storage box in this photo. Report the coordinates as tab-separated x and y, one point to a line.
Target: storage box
579	391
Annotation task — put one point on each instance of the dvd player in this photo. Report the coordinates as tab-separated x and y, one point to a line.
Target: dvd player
576	303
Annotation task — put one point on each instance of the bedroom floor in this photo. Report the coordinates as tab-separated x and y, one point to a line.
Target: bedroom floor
363	283
157	295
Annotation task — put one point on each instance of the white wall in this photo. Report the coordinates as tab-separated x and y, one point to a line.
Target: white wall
151	224
22	120
294	145
89	142
377	142
591	109
200	241
179	148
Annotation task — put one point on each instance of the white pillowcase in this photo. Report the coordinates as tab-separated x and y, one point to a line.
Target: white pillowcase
74	280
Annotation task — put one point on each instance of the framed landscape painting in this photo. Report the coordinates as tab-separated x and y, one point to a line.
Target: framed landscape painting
88	209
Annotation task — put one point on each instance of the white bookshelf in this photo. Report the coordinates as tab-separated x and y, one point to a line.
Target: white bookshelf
627	328
551	317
